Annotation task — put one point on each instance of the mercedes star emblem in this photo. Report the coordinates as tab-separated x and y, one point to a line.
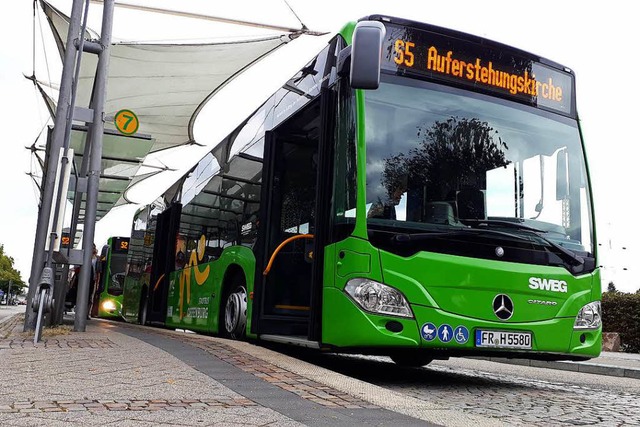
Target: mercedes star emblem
503	307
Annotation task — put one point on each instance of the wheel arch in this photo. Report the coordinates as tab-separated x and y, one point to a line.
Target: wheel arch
233	270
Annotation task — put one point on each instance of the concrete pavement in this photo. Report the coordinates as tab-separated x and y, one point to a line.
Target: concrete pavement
128	375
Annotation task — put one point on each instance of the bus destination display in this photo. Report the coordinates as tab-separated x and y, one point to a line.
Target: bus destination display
410	51
120	245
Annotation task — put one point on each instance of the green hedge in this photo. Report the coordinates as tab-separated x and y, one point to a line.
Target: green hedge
621	313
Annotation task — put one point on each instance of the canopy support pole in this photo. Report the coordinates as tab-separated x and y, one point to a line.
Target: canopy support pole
96	132
55	144
41	289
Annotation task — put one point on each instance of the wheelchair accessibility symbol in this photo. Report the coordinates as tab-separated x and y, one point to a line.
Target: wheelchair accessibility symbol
461	335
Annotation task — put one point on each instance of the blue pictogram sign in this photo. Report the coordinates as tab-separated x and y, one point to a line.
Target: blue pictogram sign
445	333
461	334
429	331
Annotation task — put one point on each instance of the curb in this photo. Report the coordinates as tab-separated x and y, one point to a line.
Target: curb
8	324
587	368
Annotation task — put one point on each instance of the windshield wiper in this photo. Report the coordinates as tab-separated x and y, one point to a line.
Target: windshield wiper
404	237
572	258
414	237
476	223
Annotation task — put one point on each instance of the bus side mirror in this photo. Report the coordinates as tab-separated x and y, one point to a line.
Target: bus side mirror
365	55
562	187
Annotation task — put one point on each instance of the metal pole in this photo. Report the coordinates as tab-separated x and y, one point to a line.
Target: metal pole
59	292
95	166
57	141
74	226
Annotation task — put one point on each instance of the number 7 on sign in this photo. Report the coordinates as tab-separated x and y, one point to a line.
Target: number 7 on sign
126	122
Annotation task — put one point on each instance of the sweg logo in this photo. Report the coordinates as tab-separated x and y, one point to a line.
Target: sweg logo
246	228
548	284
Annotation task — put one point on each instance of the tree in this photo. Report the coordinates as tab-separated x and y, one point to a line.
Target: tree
461	151
611	287
9	273
452	155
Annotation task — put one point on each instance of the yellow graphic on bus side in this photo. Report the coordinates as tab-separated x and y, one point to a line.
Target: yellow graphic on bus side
199	276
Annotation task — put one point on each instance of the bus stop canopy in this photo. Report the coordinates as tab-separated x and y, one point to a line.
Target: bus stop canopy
165	85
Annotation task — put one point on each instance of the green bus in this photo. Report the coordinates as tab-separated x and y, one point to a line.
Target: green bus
113	267
413	191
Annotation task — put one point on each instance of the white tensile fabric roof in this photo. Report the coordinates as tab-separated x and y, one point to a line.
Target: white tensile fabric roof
166	85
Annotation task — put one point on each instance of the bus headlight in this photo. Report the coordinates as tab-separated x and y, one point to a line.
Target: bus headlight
108	305
378	298
589	316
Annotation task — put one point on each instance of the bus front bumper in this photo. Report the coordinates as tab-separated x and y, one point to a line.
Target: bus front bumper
348	328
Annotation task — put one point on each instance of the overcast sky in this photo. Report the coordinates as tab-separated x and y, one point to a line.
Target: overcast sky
596	40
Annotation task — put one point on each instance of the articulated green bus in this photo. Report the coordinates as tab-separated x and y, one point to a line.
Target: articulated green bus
412	191
113	267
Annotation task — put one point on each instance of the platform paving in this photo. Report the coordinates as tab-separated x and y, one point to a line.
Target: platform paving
121	374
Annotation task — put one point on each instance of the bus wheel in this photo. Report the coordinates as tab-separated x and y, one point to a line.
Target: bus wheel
411	360
235	312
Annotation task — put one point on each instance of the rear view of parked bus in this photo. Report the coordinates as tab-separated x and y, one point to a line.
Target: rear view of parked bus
113	260
432	201
139	258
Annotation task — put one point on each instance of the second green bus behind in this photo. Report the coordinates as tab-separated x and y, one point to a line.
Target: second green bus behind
110	277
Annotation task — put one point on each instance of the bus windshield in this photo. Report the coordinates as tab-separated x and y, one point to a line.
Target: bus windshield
441	158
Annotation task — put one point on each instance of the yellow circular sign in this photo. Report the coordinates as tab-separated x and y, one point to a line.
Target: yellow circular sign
126	122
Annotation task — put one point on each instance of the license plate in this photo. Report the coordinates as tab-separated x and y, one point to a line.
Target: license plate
503	339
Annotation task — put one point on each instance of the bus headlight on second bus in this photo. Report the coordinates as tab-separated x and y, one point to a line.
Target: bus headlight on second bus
378	298
108	305
589	316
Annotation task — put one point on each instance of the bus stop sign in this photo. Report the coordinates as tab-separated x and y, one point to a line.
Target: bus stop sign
126	122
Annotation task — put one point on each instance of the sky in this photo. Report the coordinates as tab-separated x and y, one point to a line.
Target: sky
596	40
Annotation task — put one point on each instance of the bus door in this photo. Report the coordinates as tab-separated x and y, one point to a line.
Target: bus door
294	189
163	263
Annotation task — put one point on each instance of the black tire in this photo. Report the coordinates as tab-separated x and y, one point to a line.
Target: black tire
233	312
409	360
